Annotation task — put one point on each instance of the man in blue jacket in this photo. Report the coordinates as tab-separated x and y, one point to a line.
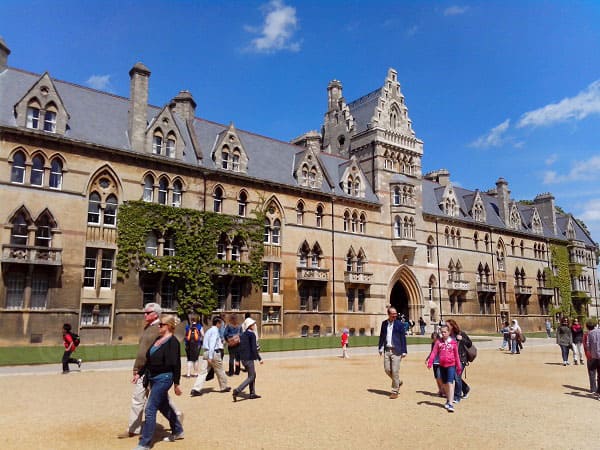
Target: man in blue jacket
392	345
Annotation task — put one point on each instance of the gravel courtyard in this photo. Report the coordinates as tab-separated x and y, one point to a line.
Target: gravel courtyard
324	402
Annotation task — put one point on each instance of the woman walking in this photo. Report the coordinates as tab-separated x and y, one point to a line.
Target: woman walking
248	354
445	349
462	389
345	337
564	339
577	346
162	370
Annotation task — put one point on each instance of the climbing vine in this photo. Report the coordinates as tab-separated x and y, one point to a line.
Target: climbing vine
194	267
562	279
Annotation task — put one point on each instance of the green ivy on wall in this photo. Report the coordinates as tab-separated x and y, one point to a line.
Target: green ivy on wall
562	279
194	267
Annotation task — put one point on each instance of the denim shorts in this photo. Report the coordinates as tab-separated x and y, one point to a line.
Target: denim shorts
436	371
448	374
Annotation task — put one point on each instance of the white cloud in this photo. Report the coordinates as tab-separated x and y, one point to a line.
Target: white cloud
581	171
455	10
412	30
591	211
494	138
100	82
584	104
551	159
277	30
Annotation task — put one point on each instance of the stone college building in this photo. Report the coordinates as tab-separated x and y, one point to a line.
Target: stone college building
351	222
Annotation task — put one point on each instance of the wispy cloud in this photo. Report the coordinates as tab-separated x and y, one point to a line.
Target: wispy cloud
455	10
100	82
591	211
581	171
412	30
551	159
584	104
277	31
495	137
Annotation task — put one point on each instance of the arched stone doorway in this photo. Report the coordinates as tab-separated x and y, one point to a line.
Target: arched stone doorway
404	293
399	300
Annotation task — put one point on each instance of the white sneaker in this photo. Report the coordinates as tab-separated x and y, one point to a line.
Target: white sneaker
173	437
79	361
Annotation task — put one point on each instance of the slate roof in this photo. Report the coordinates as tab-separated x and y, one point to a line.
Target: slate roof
362	109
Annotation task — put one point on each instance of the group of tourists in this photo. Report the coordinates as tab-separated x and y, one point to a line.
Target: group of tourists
157	367
512	337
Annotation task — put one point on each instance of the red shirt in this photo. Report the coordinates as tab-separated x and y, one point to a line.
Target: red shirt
344	339
68	342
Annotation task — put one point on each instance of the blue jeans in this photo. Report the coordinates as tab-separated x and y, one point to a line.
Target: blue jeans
564	350
158	400
249	381
461	386
514	346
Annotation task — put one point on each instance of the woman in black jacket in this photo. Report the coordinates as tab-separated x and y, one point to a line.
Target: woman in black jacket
464	341
248	354
163	370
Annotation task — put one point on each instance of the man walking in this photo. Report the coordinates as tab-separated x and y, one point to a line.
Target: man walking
392	345
213	357
593	346
152	313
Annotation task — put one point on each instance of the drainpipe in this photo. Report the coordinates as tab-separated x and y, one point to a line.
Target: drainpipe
333	321
496	319
437	251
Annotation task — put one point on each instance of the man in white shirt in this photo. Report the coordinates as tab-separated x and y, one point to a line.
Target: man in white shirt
392	346
213	357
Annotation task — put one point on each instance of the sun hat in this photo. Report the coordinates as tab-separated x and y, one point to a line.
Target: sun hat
248	323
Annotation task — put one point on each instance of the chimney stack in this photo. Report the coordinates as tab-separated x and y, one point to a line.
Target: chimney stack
545	206
138	110
185	105
503	196
4	52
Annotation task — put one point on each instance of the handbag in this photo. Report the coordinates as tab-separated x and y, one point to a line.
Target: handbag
471	352
233	341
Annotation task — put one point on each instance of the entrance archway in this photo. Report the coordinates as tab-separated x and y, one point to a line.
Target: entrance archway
399	300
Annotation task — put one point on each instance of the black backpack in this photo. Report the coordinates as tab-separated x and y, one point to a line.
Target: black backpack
76	339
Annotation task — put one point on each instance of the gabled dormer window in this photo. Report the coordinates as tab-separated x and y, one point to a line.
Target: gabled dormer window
41	108
157	143
515	218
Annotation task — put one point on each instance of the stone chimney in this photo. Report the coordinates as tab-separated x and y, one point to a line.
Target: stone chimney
185	105
138	110
546	207
503	196
334	95
310	140
441	176
4	52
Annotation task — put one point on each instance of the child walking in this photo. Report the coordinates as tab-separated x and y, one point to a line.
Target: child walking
436	365
345	336
447	350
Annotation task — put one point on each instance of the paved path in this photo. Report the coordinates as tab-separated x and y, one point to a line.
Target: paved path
124	364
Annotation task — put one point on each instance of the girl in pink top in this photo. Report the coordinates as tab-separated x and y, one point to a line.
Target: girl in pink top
447	350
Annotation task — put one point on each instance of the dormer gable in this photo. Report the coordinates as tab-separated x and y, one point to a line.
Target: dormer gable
570	231
42	108
229	152
391	113
515	220
536	222
449	203
478	209
163	136
353	181
308	170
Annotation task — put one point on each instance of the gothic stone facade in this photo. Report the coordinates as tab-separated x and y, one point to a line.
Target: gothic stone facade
352	226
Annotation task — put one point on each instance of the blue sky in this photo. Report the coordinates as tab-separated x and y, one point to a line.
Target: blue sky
494	88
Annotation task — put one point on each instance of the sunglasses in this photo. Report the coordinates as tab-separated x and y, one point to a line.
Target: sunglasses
160	325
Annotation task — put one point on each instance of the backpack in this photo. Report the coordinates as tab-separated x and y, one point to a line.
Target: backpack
192	335
76	339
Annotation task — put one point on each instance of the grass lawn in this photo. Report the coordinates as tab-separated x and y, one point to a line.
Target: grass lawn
33	354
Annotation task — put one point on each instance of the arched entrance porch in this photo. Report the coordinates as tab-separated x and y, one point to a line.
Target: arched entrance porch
404	293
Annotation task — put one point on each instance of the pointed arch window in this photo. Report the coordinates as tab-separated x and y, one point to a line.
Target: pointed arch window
110	210
157	143
171	143
152	244
430	247
354	224
17	173
319	216
349	184
522	247
33	115
222	247
356	191
362	224
303	255
94	208
276	232
349	261
235	162
169	245
56	173
300	213
397	227
50	120
431	289
218	200
43	234
225	158
312	177
148	195
37	171
304	180
346	221
18	235
163	190
316	255
242	204
476	240
396	196
177	193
